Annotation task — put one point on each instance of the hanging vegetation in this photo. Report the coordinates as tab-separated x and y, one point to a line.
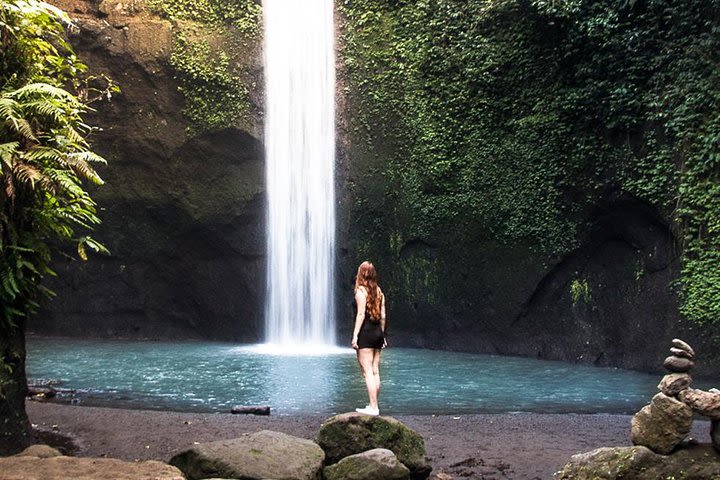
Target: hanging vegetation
519	116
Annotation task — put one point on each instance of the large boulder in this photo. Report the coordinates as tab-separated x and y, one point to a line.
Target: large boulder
662	425
264	454
698	462
350	433
375	464
63	468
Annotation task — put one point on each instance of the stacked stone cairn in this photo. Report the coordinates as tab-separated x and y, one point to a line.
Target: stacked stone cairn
663	424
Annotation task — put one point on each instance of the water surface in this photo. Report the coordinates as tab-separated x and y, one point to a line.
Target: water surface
212	377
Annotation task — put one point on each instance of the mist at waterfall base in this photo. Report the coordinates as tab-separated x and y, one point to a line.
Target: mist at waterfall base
213	377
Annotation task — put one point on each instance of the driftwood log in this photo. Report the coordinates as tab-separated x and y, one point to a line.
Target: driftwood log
251	409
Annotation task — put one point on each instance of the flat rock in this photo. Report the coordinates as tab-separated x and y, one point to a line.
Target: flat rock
679	352
678	364
702	402
375	464
674	383
264	454
350	433
64	468
677	343
662	425
698	462
39	451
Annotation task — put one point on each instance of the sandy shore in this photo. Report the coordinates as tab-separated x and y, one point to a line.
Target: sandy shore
481	446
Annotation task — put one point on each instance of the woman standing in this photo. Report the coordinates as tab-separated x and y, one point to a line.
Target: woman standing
369	332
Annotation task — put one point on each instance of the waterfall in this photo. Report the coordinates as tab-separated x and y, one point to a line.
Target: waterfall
300	158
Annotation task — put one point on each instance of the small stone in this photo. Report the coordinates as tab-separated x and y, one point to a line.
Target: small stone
39	451
715	434
674	383
679	352
677	364
704	403
683	346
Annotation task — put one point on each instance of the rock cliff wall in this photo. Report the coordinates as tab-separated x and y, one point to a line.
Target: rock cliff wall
183	212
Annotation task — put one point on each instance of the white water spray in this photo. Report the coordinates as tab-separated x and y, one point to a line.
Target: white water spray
300	157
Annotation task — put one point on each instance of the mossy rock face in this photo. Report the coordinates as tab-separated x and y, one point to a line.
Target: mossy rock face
698	462
264	454
351	433
376	464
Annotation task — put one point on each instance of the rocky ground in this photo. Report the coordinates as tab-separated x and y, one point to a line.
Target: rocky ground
507	446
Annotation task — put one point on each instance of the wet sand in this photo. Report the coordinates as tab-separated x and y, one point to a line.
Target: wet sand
478	446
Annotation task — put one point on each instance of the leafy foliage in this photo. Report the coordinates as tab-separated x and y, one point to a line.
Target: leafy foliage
44	152
511	119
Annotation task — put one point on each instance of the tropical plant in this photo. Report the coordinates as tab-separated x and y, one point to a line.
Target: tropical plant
44	158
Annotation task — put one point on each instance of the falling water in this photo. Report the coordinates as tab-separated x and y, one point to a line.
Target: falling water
299	148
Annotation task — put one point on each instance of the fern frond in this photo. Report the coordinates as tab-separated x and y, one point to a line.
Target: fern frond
44	108
9	283
44	89
74	136
67	182
88	156
9	187
8	108
10	116
26	173
84	170
43	154
8	151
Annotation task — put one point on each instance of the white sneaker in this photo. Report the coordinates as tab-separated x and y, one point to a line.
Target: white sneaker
368	410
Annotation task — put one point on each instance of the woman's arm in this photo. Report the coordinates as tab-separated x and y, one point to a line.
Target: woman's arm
382	319
382	312
360	300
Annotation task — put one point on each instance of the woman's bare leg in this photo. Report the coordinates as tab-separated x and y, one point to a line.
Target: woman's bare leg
376	371
365	359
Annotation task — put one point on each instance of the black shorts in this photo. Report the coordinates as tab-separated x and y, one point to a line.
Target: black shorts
371	335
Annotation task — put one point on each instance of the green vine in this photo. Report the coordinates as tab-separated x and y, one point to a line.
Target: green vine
512	119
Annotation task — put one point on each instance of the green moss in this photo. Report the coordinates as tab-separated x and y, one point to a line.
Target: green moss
215	95
243	15
419	278
210	79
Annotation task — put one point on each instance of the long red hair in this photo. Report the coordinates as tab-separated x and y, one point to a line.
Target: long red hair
367	278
